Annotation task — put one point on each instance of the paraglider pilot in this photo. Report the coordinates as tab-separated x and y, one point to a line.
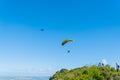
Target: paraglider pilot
68	51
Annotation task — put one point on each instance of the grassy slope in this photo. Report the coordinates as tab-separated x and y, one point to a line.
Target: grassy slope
88	73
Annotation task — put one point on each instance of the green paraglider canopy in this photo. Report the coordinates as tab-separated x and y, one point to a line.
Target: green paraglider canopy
66	41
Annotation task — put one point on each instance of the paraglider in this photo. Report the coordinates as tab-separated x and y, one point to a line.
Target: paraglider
65	42
42	29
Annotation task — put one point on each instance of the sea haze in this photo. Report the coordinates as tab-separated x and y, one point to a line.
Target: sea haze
24	78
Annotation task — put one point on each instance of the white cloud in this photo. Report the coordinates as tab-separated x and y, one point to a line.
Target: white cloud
104	61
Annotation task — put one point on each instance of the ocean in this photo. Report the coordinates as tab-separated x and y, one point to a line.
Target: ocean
24	78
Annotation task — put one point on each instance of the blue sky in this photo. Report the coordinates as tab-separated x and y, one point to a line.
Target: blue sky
93	26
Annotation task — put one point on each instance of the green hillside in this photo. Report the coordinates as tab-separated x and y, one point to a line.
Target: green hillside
88	73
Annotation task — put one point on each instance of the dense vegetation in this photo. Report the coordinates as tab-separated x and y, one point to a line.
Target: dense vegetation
88	73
